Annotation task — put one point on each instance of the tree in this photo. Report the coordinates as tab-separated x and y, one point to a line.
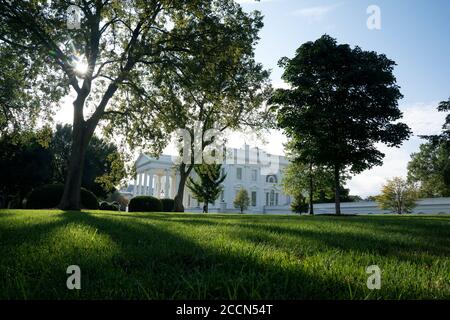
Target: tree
25	163
342	101
30	159
19	110
299	204
113	62
431	168
444	137
398	195
220	94
301	179
242	200
314	182
104	167
209	185
431	165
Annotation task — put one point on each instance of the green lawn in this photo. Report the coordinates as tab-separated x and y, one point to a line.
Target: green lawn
209	256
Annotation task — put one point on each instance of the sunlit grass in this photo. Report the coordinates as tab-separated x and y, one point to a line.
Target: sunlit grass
199	256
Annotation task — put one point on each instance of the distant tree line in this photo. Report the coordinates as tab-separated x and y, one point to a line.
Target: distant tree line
35	158
430	166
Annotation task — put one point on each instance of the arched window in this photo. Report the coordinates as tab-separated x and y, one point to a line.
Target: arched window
271	179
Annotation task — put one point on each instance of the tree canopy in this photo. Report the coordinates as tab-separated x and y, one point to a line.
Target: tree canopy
398	195
341	102
431	165
115	63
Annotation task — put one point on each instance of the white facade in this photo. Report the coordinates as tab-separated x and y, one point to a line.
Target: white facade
253	169
257	172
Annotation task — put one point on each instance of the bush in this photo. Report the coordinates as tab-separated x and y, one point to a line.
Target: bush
145	204
48	196
299	205
167	205
109	206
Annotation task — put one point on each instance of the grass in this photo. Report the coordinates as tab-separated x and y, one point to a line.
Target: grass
199	256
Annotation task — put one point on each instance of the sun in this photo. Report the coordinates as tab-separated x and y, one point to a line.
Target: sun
81	66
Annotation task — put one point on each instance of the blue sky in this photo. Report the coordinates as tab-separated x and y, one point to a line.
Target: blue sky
414	33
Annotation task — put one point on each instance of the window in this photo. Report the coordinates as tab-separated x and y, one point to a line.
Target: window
276	199
239	173
267	198
271	179
222	196
254	174
189	200
254	198
272	198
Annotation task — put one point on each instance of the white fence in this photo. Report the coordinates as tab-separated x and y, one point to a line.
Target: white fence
424	206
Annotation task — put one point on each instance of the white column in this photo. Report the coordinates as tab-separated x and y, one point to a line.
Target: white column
146	183
150	183
158	186
139	188
166	184
135	186
143	184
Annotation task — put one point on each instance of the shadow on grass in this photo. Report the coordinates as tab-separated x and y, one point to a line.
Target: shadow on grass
154	262
419	239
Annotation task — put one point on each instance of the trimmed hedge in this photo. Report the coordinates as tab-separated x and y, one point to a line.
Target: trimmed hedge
48	196
113	206
167	205
145	204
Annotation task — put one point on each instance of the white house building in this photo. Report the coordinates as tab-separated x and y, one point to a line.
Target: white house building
253	169
256	171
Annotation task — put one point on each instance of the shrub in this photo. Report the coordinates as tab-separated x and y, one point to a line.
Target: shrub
48	196
88	199
299	205
109	206
145	204
167	205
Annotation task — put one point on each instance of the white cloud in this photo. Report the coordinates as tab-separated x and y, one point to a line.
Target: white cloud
423	119
316	14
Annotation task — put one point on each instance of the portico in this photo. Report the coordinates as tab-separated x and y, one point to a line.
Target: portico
155	178
159	177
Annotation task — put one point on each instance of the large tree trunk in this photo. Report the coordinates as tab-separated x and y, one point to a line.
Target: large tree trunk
311	190
71	196
337	196
80	140
184	174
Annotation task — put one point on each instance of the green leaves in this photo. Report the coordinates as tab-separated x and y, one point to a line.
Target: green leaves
208	186
398	195
342	101
242	200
